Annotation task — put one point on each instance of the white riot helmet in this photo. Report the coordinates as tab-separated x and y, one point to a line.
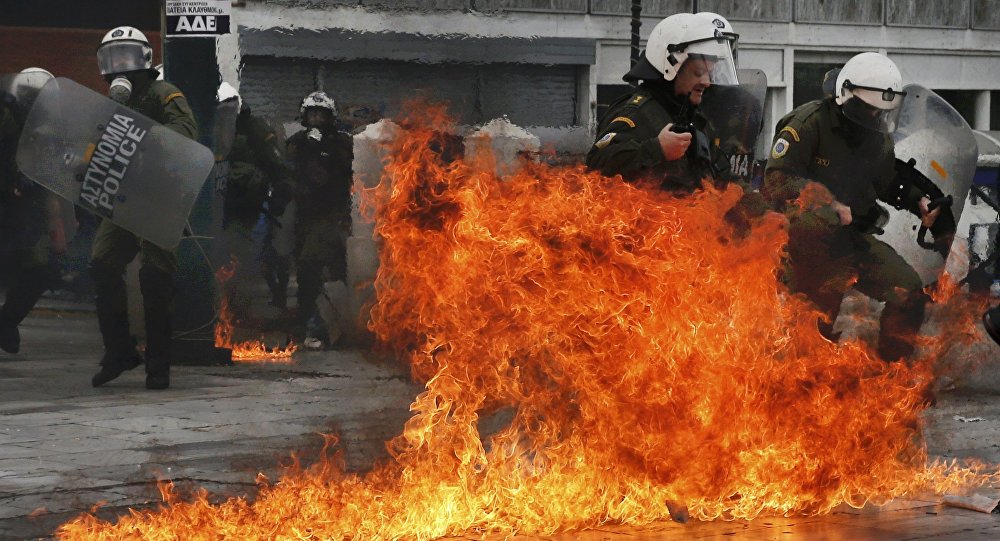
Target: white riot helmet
870	91
688	35
25	86
227	92
124	49
726	29
318	99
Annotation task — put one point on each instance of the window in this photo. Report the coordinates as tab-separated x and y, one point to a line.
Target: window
809	81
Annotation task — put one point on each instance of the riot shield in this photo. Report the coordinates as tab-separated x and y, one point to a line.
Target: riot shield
112	161
736	114
224	130
944	149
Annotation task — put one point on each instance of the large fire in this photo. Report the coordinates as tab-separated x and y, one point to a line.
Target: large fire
649	360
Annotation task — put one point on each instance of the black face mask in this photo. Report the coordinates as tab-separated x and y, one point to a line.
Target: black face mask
856	134
871	118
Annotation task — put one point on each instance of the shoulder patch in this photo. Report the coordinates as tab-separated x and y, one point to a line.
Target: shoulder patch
171	97
780	148
626	120
603	141
791	131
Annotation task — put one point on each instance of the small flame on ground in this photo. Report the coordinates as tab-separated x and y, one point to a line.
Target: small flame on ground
250	351
647	355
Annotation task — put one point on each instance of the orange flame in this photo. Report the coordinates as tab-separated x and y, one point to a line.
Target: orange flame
647	356
251	351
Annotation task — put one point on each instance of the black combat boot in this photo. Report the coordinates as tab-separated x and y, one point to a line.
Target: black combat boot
899	325
22	295
112	317
991	320
157	295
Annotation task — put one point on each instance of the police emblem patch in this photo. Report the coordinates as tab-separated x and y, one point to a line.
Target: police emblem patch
780	148
603	141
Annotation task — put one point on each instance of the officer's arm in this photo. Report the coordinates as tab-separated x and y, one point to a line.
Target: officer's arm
178	116
347	152
269	151
619	149
8	146
787	169
274	166
292	150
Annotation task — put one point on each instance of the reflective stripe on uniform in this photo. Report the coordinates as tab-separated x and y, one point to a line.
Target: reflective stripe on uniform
625	119
171	97
792	132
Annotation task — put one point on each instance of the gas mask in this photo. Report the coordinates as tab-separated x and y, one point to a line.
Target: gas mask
315	134
121	89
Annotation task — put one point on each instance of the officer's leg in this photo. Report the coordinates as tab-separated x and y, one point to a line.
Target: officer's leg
238	290
156	281
277	270
886	276
33	277
113	249
270	267
820	266
309	274
23	221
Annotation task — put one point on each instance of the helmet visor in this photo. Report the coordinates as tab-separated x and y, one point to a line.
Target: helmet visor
123	56
870	117
719	51
882	98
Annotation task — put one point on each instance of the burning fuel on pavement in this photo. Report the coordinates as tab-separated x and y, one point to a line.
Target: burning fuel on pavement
654	364
243	351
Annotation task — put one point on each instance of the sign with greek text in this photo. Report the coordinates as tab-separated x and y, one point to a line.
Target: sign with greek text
197	17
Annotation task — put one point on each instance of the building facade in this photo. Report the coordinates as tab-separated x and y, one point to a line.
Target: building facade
550	64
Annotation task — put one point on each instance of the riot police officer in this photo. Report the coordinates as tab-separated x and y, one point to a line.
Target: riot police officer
125	60
657	132
257	175
323	159
842	142
30	216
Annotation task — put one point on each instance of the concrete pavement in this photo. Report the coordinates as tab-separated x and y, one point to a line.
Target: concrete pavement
65	446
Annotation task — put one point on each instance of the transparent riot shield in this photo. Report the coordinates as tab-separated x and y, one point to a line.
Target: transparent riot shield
112	161
933	134
224	129
736	115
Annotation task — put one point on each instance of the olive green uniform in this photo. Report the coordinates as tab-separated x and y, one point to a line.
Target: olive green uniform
23	213
27	212
164	103
115	247
257	174
322	193
627	142
817	143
